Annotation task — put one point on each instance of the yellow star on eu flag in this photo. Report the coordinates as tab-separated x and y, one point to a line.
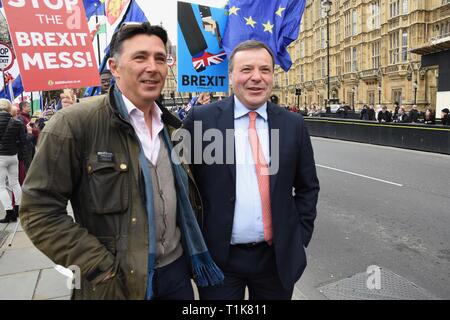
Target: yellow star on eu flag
268	27
250	22
280	11
234	10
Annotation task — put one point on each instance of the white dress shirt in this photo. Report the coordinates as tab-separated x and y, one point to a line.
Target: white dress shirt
150	142
248	223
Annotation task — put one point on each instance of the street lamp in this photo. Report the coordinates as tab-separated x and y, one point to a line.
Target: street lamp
298	93
379	94
326	4
353	98
415	92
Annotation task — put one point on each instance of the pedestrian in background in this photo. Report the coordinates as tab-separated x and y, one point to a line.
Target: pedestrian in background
12	139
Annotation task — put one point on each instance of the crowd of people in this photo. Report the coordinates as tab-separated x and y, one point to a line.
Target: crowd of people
399	114
19	132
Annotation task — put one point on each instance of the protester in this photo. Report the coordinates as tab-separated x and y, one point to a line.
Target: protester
240	198
133	202
445	117
12	139
371	113
105	78
402	117
429	117
414	114
384	115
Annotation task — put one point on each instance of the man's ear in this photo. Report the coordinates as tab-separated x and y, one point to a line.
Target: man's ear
113	67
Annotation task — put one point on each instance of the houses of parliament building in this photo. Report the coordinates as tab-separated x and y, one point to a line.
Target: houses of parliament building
369	53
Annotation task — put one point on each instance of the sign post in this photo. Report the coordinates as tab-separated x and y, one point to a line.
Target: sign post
6	60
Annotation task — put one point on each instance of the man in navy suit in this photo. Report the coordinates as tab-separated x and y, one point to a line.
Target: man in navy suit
260	194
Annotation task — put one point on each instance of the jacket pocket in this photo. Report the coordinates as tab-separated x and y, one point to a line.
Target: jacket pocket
108	185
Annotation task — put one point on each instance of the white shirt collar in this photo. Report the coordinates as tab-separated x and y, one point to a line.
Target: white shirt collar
241	110
131	107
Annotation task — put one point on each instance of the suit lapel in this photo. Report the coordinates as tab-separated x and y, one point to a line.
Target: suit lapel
275	123
225	120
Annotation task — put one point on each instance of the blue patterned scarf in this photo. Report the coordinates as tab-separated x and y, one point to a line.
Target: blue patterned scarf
205	271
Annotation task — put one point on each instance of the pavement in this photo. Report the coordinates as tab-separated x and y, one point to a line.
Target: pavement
27	274
377	206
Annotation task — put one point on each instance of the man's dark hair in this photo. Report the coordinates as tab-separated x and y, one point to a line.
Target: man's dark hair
106	71
445	110
127	31
22	105
249	45
274	99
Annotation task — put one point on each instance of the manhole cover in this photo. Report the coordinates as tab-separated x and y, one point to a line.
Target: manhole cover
3	236
392	287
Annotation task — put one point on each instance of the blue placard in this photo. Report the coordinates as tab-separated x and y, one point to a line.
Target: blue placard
202	62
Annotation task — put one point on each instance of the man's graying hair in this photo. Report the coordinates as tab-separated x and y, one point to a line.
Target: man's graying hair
128	31
249	45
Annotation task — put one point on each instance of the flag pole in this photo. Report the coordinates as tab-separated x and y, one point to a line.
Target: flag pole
175	79
98	36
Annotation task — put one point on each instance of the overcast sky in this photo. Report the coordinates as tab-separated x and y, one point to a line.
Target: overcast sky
165	11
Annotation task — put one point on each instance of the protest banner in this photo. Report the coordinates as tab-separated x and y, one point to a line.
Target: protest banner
202	63
52	43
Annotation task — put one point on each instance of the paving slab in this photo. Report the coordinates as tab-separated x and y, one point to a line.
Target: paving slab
23	260
19	286
20	241
51	284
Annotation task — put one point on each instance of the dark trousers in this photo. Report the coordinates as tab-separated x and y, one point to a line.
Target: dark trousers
252	267
173	282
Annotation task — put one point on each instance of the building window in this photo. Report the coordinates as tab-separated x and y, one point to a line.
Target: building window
338	64
338	32
371	97
394	8
317	39
393	47
318	69
302	73
376	55
323	37
324	67
348	60
286	79
354	22
355	60
375	18
348	24
405	46
397	96
405	6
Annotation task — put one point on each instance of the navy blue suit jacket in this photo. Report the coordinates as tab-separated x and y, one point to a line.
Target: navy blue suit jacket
293	213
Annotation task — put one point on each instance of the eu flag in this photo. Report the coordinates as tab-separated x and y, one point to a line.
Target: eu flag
274	22
94	7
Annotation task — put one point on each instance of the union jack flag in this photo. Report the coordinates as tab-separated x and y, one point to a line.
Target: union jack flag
208	59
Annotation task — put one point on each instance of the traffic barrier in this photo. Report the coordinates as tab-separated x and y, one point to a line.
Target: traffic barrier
431	138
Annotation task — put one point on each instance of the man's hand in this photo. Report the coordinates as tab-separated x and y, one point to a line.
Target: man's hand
29	129
209	24
204	98
108	276
68	98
